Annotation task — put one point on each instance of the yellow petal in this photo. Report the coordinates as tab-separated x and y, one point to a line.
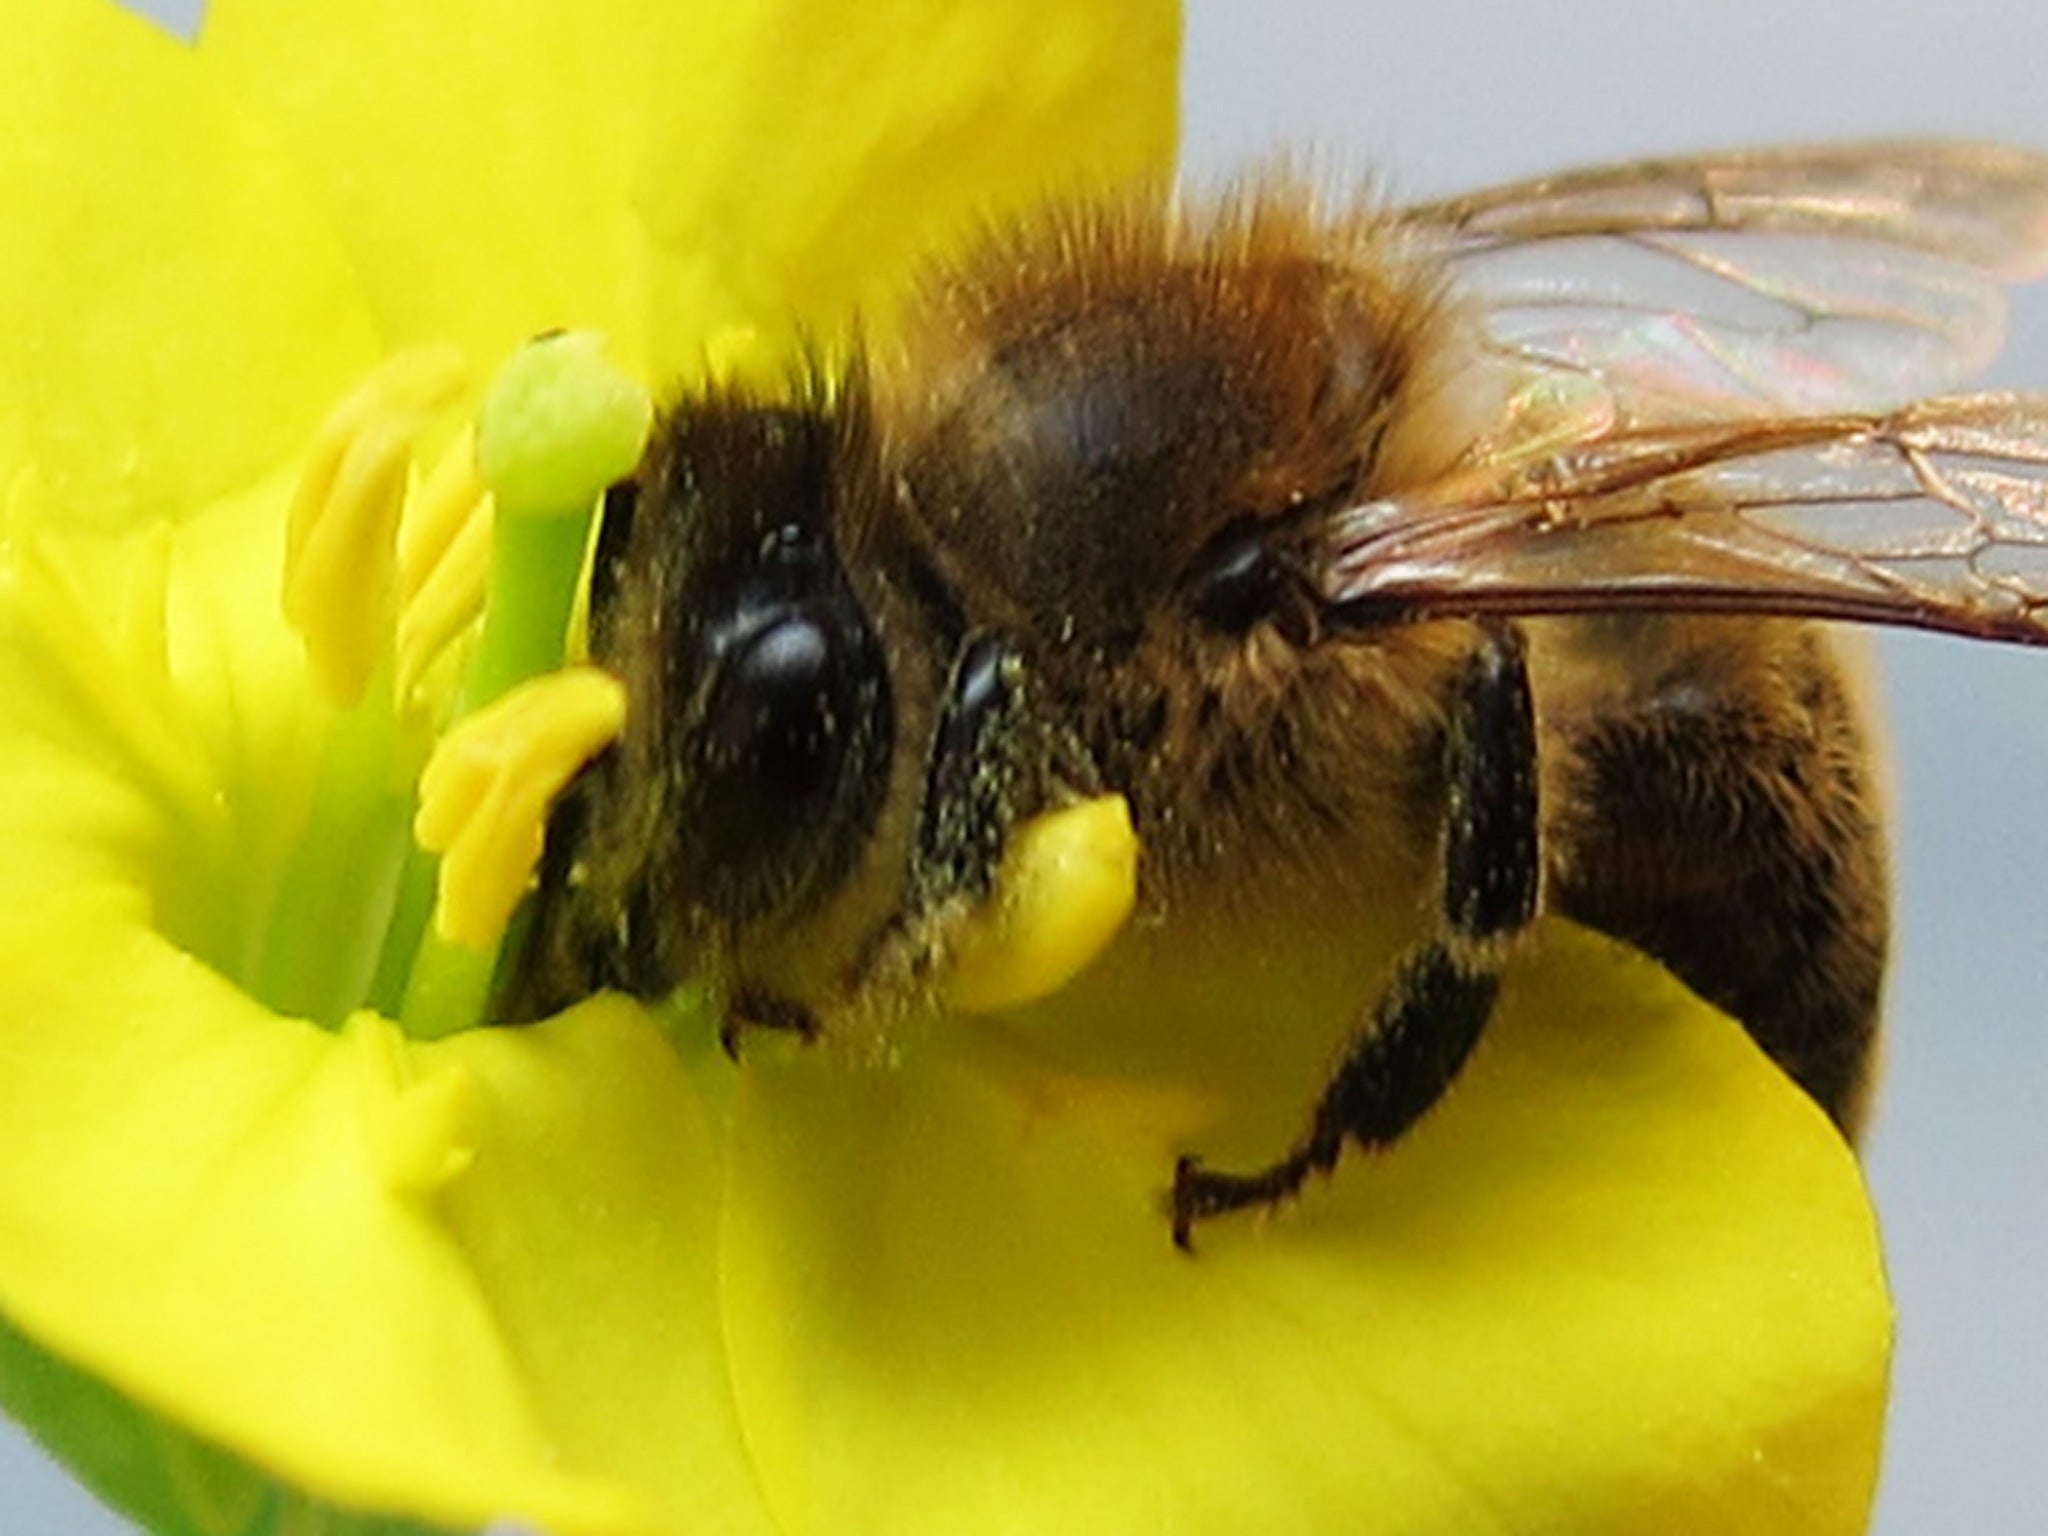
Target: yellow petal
183	766
591	1220
820	153
1624	1280
198	1208
472	154
174	309
673	171
454	1281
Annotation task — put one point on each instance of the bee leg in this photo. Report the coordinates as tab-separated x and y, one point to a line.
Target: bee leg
1427	1022
967	779
750	1010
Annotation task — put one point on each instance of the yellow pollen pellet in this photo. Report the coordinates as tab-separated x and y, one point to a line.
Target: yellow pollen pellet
487	788
1065	889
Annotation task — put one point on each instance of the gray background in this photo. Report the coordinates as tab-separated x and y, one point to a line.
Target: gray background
1444	94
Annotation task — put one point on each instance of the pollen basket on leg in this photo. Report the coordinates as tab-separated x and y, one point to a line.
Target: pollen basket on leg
1063	893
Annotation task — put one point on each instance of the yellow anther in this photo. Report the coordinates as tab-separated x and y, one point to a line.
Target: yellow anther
485	795
444	560
441	511
1065	889
448	602
341	535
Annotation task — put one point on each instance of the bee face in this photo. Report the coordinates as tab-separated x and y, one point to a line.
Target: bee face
753	660
763	704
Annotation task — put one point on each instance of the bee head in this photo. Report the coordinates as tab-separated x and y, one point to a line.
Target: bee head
760	713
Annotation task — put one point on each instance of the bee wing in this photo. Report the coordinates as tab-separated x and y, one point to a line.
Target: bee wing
1933	517
1810	281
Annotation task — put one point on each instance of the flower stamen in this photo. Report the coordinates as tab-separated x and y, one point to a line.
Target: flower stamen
485	795
341	533
558	425
444	561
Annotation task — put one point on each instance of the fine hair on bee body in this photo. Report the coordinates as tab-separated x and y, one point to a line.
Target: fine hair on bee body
1380	577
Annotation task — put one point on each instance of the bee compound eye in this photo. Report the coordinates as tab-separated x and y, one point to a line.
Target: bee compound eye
787	753
776	721
1236	581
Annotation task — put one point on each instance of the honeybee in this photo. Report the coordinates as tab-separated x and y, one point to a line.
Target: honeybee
1420	569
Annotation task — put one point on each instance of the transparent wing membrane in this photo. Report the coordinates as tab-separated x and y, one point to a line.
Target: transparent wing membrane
1933	517
1807	281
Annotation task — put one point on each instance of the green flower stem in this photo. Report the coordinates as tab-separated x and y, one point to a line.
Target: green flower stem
536	560
321	945
411	910
535	564
448	989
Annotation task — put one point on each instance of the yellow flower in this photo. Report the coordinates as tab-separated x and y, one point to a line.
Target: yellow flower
260	1246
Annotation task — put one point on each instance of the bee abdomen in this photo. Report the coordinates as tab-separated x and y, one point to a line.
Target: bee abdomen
1724	820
